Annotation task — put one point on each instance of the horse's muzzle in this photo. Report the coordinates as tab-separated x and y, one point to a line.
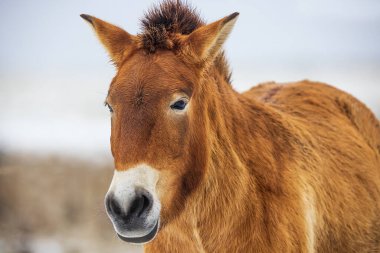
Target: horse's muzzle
133	219
133	205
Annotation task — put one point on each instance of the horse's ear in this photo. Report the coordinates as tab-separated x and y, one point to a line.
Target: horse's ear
116	41
204	43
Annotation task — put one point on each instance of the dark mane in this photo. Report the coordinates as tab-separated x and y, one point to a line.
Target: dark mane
170	17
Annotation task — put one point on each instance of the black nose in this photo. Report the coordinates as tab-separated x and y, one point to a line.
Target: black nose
140	205
113	207
137	207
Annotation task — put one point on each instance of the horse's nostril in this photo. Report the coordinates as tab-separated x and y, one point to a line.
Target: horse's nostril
113	207
146	204
140	205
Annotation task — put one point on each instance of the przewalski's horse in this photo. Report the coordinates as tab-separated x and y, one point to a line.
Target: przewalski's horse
202	168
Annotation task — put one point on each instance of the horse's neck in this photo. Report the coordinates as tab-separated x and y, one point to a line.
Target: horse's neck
240	129
248	138
228	137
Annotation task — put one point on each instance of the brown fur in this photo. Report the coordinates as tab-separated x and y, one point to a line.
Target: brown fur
280	168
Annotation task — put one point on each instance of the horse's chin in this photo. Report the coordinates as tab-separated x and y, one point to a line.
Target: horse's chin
142	239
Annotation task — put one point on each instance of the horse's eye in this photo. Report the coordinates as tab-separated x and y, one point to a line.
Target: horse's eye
109	107
179	104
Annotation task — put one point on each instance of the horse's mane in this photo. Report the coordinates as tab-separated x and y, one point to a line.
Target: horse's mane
163	21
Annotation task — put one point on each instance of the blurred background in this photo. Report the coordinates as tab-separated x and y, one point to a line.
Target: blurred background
55	163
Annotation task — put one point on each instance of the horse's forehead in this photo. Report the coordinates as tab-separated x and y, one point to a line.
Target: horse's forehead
152	64
151	74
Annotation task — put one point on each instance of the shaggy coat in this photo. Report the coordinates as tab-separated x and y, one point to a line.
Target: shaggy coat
289	167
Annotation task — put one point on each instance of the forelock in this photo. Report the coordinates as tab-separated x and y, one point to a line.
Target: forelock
162	24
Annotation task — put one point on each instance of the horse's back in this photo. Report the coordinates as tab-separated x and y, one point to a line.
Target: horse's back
314	102
338	155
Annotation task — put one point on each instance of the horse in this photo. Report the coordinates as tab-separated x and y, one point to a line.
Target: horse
199	167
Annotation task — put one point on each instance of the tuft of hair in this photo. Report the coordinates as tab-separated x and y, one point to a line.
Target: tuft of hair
163	22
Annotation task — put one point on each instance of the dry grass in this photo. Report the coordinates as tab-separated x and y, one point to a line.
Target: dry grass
55	205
